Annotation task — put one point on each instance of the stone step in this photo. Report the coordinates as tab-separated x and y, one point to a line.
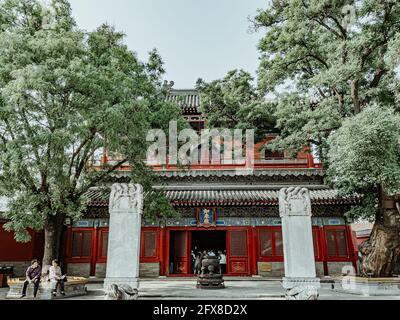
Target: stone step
254	278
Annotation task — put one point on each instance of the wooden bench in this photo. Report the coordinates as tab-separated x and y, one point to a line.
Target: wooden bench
75	286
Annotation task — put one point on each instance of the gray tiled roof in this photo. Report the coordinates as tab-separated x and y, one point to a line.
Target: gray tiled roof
234	173
188	100
231	173
245	196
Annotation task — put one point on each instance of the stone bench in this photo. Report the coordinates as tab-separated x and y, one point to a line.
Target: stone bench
75	286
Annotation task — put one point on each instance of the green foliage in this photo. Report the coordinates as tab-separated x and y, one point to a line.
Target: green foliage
156	206
336	57
332	66
365	154
366	210
65	94
365	151
301	123
233	102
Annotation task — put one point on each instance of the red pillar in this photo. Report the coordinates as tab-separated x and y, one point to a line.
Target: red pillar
353	253
93	255
253	251
310	160
166	250
162	250
324	250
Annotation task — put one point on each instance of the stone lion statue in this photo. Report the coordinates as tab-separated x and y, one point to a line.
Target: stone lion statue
302	293
123	292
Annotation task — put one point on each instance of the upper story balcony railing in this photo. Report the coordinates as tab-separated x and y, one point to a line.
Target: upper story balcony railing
305	162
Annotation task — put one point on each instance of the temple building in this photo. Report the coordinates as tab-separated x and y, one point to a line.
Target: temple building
222	207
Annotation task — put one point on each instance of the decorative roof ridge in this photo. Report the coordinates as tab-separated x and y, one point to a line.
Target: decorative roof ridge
232	172
182	90
244	170
238	187
194	187
192	197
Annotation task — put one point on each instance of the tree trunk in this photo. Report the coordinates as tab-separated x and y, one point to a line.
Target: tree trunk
52	238
381	252
355	97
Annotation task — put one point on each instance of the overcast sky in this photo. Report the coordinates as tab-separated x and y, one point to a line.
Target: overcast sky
196	38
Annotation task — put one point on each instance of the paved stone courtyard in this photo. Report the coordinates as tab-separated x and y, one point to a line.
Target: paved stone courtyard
185	289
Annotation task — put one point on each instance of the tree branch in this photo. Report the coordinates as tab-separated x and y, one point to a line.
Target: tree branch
101	177
79	149
339	25
377	78
81	164
354	96
337	34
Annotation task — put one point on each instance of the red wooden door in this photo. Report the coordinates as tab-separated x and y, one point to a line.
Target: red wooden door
181	254
237	252
93	255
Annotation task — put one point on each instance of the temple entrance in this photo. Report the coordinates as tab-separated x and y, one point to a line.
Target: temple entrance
182	243
208	241
179	256
231	241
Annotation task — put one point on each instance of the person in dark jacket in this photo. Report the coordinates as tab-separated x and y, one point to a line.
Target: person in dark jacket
33	274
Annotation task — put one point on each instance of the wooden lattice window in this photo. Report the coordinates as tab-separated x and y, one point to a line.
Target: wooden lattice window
238	246
270	243
265	245
316	242
337	242
104	244
278	243
81	244
150	244
180	244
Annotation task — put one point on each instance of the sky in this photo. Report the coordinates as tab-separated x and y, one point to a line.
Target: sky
195	38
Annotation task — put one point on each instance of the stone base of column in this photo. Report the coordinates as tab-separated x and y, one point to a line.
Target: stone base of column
301	288
121	288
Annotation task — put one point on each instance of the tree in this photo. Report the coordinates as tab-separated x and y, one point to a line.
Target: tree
234	102
65	95
365	156
336	58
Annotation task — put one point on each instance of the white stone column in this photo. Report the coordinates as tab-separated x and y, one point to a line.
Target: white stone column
125	207
300	279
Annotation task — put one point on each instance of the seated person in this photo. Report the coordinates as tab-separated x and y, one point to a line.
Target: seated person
32	276
56	278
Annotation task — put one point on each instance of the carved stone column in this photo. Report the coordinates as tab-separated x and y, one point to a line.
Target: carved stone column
126	206
300	279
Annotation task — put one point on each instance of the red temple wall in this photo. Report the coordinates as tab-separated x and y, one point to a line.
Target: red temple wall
88	247
155	248
304	159
11	250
